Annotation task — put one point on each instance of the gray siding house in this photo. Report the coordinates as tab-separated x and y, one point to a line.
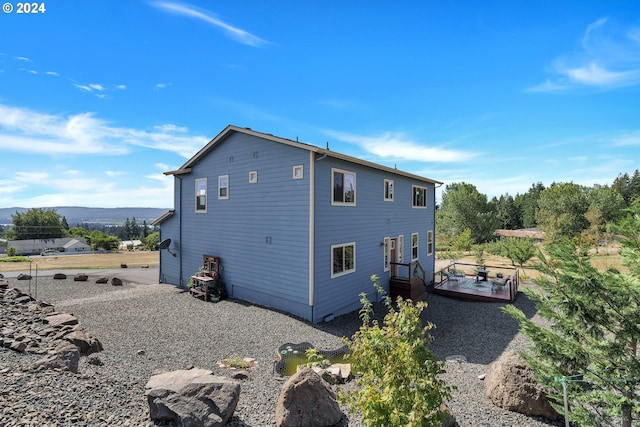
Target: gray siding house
297	227
68	245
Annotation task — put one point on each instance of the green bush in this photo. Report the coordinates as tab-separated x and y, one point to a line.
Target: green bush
397	381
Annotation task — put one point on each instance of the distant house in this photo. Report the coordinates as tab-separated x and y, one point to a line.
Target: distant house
130	244
37	246
531	233
297	227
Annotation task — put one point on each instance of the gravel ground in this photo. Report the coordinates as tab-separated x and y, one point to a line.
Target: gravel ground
145	327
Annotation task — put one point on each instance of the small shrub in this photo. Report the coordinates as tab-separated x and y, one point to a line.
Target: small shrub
398	383
12	251
236	361
315	358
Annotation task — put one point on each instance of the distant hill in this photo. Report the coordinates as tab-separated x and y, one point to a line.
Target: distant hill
81	215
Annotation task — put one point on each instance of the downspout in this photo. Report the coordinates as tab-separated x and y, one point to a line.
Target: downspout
312	232
180	234
312	242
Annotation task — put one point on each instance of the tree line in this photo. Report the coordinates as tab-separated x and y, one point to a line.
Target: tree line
562	210
46	223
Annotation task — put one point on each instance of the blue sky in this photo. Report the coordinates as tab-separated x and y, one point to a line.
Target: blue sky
98	98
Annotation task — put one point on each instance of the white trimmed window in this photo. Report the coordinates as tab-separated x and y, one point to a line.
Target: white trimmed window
201	195
400	249
387	253
253	177
223	187
343	259
419	196
414	246
388	190
343	184
298	172
429	242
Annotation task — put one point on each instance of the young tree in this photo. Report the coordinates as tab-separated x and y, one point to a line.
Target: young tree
398	384
518	250
592	343
152	240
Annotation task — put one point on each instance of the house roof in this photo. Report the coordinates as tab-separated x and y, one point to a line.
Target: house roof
533	233
37	244
163	217
231	129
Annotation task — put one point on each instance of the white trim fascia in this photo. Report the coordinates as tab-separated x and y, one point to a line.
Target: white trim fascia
312	219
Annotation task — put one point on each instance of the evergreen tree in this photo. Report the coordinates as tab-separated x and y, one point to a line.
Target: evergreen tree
508	212
64	223
527	204
592	342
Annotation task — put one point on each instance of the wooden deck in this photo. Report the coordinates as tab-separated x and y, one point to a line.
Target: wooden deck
471	288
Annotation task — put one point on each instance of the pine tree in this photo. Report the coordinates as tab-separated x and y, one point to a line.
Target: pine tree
592	343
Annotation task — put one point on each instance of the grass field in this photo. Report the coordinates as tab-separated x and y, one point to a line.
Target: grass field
85	261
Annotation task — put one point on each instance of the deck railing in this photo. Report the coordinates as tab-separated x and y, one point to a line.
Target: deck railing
442	276
410	273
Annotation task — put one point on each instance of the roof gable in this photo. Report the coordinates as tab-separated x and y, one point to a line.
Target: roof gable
231	129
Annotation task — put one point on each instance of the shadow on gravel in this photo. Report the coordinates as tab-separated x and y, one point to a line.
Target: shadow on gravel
480	331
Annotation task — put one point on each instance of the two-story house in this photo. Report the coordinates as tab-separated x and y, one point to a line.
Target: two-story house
297	227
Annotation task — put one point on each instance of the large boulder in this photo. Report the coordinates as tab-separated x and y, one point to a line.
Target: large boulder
59	276
306	400
80	277
193	397
510	384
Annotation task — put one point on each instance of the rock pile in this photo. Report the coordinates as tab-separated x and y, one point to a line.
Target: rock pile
30	326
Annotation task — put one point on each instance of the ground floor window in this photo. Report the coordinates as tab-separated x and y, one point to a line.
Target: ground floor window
414	246
429	242
387	253
343	259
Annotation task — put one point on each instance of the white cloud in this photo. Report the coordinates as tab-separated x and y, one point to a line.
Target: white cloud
171	128
397	146
121	87
594	75
161	85
52	73
608	57
235	33
41	189
627	139
23	59
23	130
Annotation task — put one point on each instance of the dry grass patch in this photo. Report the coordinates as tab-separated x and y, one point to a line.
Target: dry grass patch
87	261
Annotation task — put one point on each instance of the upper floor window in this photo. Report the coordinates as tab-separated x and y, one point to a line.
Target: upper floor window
419	197
414	246
429	242
388	190
298	172
344	187
223	187
201	195
253	177
343	259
